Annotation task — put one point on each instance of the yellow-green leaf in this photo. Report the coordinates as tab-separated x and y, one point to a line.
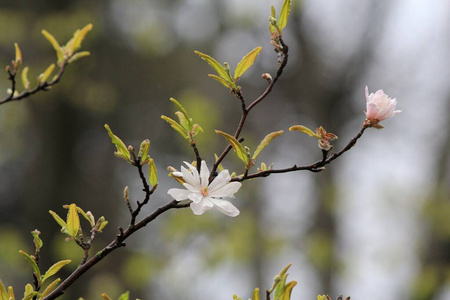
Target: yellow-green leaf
266	141
106	297
37	240
152	173
28	290
122	150
303	129
221	80
11	293
44	76
183	121
18	61
280	287
288	290
78	55
73	221
103	223
182	109
55	268
236	297
246	62
33	264
25	81
272	28
85	215
238	148
58	220
143	149
51	287
124	296
178	128
78	38
216	66
219	167
55	44
255	295
3	293
284	14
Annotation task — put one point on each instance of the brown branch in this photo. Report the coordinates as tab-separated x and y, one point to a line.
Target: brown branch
315	167
116	243
44	86
246	110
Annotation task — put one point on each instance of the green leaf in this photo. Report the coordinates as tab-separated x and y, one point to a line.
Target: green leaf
280	288
238	148
78	55
124	296
183	121
222	81
33	264
219	167
56	46
266	141
152	173
122	150
73	221
246	62
37	240
58	220
11	293
25	81
183	111
272	28
28	290
178	128
304	129
50	287
284	14
103	223
216	66
86	215
55	268
255	295
44	76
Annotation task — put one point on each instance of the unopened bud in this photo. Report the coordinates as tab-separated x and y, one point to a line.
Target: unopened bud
267	76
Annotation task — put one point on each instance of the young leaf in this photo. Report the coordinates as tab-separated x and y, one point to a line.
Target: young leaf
33	264
37	240
281	287
152	173
304	129
222	81
55	268
56	46
11	293
178	128
219	167
246	62
288	290
73	221
58	220
266	141
44	76
216	66
255	295
284	14
86	215
143	149
25	81
124	296
238	148
18	61
50	287
102	223
183	110
272	28
3	293
78	55
78	38
122	150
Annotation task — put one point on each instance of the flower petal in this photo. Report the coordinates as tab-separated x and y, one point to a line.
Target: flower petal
221	180
201	207
226	191
179	194
195	197
226	207
204	174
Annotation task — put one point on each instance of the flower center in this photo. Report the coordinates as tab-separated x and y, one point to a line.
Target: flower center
204	192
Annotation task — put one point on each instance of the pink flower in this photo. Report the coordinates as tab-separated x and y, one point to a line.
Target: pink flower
379	107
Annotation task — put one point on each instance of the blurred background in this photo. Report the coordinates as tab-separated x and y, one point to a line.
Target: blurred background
373	225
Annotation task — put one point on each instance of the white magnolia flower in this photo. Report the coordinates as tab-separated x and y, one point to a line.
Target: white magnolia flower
380	106
205	196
